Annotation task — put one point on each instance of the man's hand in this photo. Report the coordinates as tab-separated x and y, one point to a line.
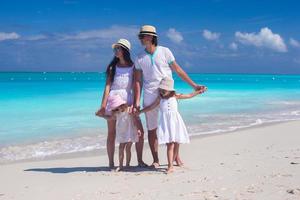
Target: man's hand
200	87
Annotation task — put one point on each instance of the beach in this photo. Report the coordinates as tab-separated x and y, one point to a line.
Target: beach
262	162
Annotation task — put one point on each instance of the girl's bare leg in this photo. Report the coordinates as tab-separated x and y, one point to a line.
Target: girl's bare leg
170	153
176	155
128	153
121	156
110	142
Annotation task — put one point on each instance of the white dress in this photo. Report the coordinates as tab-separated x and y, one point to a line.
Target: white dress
171	127
122	84
125	129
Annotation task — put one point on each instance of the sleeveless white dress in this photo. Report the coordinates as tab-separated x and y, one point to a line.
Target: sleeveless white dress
122	85
171	127
125	129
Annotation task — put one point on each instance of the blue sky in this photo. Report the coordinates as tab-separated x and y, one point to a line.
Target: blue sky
208	36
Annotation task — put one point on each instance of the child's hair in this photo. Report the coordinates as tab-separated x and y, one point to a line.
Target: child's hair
111	68
120	107
171	94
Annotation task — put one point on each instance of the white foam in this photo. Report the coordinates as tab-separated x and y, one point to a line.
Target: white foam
50	148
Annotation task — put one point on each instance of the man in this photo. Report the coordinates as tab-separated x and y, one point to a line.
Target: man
152	65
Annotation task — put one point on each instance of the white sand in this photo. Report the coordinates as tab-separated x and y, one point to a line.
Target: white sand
259	163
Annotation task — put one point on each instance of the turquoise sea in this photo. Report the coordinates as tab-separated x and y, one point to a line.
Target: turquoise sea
44	114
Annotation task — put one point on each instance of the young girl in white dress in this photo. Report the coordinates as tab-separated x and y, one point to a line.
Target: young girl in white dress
128	126
171	129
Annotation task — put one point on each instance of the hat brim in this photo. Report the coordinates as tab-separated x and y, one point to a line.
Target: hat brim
148	33
119	44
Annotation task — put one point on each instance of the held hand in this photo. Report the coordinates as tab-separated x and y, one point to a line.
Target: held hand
136	110
100	112
200	87
139	133
130	110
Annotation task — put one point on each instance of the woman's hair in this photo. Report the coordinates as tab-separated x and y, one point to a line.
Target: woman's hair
111	68
154	41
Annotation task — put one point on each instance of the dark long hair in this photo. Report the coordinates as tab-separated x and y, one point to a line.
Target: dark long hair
111	68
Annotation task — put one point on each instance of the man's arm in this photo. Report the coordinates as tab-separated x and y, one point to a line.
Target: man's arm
183	75
105	95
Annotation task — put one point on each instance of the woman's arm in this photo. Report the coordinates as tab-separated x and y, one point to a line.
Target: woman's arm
188	96
108	117
151	106
101	111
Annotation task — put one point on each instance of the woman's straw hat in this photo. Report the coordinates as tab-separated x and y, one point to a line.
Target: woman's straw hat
167	84
148	30
123	43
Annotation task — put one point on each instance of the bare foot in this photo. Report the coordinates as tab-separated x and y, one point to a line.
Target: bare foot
119	169
155	165
142	164
179	163
170	170
111	166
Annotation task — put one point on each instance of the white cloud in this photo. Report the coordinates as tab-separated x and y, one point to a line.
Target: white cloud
265	38
109	33
210	35
233	46
36	37
9	36
174	36
294	42
297	60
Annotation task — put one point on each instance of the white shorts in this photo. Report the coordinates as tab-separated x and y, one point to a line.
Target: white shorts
152	115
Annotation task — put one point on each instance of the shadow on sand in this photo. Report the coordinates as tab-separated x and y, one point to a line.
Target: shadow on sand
64	170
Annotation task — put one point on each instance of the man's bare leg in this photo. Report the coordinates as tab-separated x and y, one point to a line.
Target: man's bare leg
153	143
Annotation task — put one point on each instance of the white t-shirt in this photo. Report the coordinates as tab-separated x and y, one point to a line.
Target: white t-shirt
155	67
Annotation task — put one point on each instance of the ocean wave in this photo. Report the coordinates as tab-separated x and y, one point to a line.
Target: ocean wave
50	148
227	123
207	124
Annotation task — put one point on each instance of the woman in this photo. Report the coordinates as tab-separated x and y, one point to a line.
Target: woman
119	80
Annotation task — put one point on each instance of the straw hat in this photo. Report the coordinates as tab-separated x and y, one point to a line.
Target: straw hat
167	84
114	101
123	43
148	30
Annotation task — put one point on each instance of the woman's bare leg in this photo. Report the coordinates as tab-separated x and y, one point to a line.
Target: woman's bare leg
110	142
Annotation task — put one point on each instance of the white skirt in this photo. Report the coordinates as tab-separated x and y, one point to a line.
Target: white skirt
171	128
